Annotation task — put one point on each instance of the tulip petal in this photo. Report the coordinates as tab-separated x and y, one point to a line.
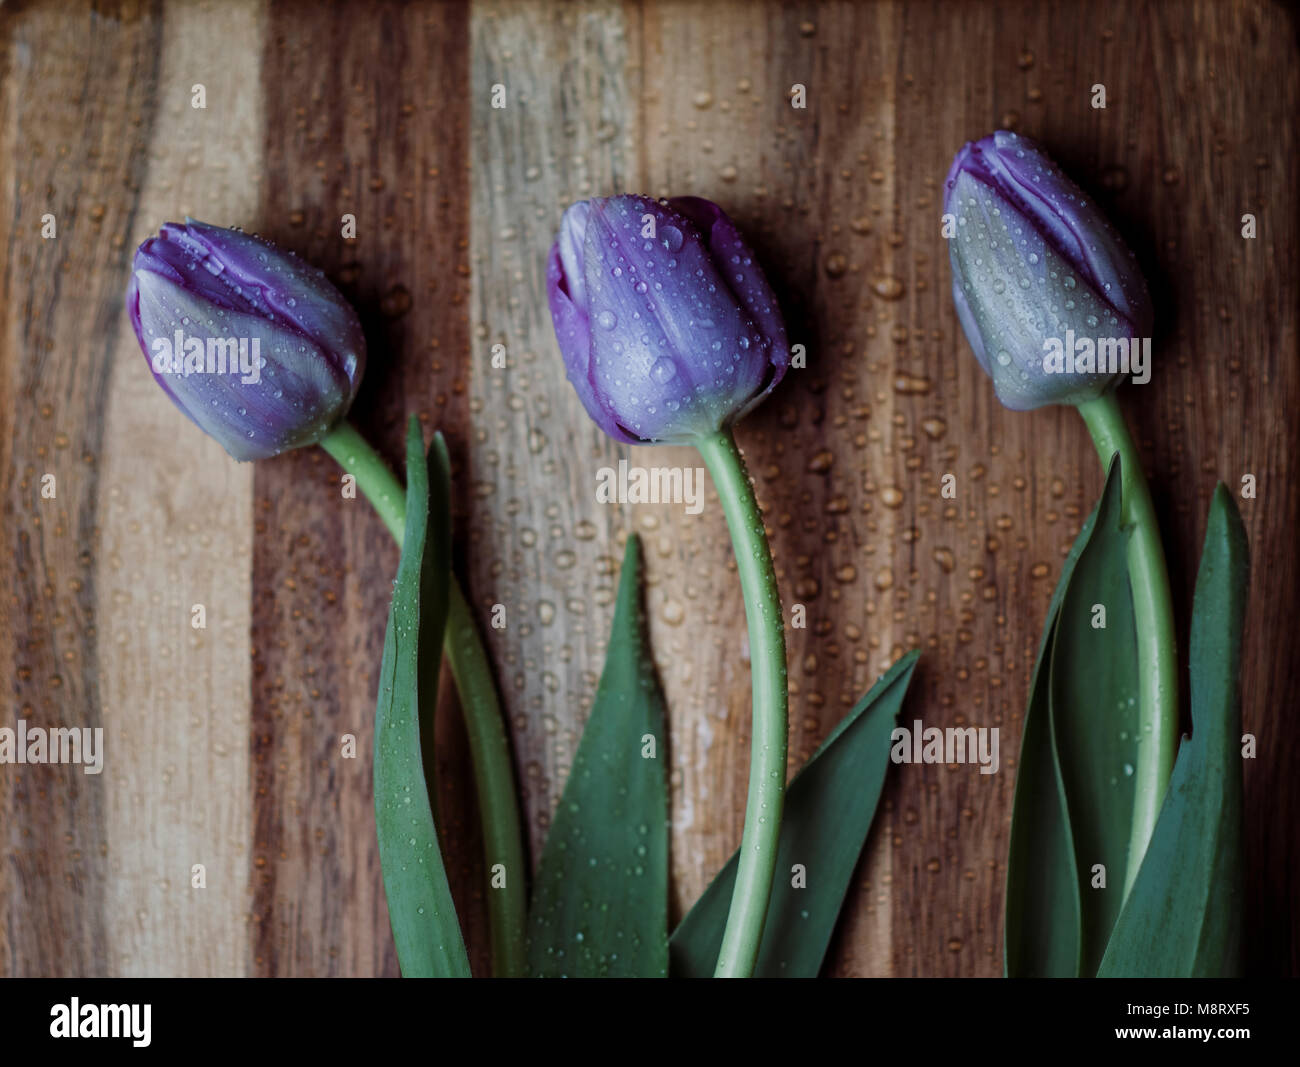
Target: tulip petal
239	272
217	288
570	246
967	319
133	313
668	329
1021	293
1038	272
1079	230
667	334
297	397
574	337
748	284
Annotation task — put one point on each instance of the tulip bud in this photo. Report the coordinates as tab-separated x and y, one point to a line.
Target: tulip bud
668	328
1050	298
254	345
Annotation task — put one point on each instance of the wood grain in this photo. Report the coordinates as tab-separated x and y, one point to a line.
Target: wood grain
176	531
224	745
361	123
543	547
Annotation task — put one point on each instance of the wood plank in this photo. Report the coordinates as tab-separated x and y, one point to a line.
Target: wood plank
719	124
542	547
234	761
176	531
103	864
356	122
1226	345
52	879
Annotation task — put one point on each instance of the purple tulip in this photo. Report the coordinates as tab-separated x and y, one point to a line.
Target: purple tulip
1038	269
254	345
670	333
668	328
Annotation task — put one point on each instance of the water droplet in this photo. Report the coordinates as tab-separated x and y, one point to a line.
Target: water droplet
911	385
887	287
934	428
821	461
396	302
664	370
1114	179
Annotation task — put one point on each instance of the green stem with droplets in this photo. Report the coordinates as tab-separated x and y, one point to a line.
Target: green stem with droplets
489	747
1153	616
756	869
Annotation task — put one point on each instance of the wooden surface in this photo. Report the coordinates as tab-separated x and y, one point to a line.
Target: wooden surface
222	746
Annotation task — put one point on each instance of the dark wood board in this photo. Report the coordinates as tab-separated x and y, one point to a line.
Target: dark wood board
223	744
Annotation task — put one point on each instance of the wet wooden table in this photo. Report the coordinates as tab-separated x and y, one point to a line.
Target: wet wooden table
222	744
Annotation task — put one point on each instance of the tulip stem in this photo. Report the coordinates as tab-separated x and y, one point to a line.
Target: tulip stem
757	866
1153	616
353	453
489	747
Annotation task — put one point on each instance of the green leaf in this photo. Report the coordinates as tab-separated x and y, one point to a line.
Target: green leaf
1067	815
600	900
1041	927
420	908
829	808
1183	918
1095	719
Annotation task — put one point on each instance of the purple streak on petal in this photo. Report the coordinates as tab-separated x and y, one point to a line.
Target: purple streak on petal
237	272
656	315
574	337
1013	291
1072	217
291	289
133	313
733	255
1022	172
571	246
755	293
